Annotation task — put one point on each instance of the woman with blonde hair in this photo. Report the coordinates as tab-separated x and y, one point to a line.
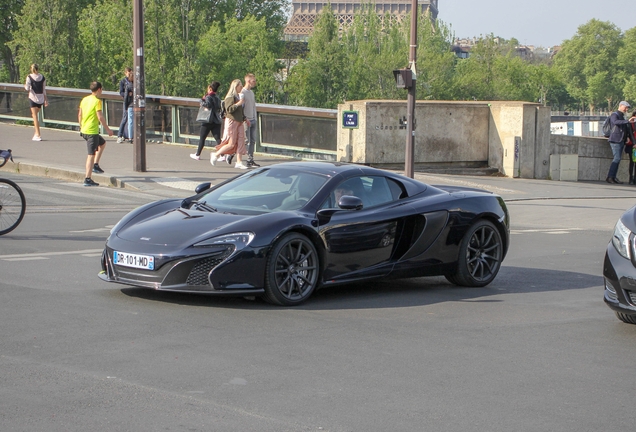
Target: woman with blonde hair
35	85
234	134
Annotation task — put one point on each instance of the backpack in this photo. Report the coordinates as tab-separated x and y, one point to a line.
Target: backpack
607	127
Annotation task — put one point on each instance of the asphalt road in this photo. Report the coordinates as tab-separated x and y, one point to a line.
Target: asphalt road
537	350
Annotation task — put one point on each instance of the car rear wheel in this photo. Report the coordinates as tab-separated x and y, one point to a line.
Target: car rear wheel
292	270
480	256
628	319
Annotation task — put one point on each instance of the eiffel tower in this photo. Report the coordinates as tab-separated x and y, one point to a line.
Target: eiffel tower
301	24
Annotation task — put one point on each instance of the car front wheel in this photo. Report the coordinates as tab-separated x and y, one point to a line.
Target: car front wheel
292	270
480	256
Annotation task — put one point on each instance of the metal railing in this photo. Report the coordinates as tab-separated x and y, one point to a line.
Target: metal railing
308	133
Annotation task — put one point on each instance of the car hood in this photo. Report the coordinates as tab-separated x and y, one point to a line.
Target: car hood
177	227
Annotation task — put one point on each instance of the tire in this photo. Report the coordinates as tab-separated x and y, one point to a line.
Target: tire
480	256
12	206
292	270
627	319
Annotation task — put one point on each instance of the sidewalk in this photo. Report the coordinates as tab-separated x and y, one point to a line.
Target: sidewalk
62	155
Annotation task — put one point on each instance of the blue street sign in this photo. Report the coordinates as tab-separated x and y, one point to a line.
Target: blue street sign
350	119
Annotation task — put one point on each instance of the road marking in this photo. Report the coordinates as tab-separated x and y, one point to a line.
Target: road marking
177	183
106	228
547	231
41	255
26	258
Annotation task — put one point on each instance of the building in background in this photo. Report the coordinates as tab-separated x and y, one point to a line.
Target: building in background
305	13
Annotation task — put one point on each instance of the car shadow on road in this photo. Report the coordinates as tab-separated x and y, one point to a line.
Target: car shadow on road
400	292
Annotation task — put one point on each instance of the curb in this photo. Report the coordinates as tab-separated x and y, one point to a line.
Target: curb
66	174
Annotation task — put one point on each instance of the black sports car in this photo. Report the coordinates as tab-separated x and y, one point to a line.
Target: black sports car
619	268
283	230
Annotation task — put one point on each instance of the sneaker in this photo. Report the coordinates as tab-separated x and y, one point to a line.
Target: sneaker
36	138
120	140
194	156
252	164
221	158
229	158
240	165
97	169
213	159
90	182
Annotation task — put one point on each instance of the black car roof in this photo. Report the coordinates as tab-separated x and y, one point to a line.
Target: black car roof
347	170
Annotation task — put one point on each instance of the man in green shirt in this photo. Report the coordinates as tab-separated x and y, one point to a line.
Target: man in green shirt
89	117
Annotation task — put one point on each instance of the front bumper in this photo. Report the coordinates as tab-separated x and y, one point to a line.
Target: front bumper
210	272
620	282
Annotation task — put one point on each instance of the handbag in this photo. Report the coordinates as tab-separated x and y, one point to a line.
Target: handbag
204	114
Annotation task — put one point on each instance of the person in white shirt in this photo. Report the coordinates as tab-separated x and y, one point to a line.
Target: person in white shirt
251	124
36	86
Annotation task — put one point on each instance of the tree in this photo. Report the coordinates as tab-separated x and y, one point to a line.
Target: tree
546	84
588	63
47	34
475	76
171	32
435	61
320	79
105	36
8	24
240	47
274	12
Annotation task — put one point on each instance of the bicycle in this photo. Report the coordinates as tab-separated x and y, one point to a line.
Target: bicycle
12	201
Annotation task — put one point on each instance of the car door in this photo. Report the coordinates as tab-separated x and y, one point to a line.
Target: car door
359	243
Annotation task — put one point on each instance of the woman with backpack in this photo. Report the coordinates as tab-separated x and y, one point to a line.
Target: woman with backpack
210	100
35	85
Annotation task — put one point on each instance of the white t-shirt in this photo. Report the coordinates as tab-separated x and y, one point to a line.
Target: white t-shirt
249	108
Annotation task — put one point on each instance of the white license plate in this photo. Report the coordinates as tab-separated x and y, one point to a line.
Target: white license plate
145	262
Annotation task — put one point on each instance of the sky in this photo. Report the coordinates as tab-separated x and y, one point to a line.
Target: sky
543	23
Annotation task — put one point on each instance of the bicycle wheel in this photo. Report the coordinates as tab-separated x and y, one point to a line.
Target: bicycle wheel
12	206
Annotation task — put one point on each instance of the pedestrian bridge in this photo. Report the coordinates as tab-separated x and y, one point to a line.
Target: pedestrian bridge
510	137
308	133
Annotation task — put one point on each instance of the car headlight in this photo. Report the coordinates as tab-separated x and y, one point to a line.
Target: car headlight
620	239
238	240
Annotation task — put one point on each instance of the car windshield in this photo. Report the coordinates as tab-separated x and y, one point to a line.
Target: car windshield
263	191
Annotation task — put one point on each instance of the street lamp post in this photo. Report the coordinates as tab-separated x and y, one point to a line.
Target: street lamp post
410	102
139	100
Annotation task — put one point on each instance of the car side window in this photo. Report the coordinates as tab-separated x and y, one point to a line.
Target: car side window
372	190
397	190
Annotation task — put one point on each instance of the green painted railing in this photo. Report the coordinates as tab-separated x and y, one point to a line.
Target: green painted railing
294	131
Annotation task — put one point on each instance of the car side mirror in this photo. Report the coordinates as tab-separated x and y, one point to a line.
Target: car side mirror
348	202
202	187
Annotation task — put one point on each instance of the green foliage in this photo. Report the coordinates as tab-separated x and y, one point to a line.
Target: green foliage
320	79
105	35
46	34
8	24
588	64
240	47
189	43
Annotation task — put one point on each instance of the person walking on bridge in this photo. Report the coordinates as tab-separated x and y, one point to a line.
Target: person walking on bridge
36	86
126	91
89	117
618	136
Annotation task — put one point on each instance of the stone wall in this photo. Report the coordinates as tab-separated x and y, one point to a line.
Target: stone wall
594	154
454	133
503	135
513	137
